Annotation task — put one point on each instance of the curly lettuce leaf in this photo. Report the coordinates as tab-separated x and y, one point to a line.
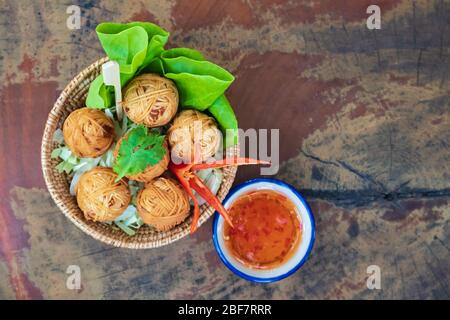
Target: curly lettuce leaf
184	52
128	47
133	45
99	96
139	47
199	81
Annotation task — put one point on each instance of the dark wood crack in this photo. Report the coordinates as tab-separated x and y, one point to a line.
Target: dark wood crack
367	196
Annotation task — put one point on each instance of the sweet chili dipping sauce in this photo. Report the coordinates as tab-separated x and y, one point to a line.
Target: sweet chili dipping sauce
266	229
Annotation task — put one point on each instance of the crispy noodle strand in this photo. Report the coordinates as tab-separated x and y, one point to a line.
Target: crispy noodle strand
163	204
88	132
191	128
100	197
151	100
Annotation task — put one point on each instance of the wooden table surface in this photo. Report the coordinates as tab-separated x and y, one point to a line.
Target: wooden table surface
364	123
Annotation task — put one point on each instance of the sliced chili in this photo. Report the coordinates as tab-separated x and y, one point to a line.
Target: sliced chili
233	161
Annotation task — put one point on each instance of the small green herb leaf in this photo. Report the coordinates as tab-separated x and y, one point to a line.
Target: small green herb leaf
140	149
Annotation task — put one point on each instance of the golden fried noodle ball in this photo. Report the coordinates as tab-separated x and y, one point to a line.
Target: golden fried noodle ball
163	204
100	197
192	127
151	100
150	172
88	132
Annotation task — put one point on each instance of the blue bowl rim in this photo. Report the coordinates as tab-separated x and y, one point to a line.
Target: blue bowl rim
244	275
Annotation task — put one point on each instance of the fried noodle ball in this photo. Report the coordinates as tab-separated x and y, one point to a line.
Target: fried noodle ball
88	132
163	204
191	127
100	197
151	100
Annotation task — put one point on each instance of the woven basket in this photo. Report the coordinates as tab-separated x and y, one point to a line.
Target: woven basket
73	97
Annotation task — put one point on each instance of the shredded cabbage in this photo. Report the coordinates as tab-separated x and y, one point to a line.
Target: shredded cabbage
129	221
212	178
58	136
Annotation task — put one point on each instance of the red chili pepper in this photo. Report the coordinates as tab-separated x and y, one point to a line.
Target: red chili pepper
196	215
180	172
209	197
189	181
227	162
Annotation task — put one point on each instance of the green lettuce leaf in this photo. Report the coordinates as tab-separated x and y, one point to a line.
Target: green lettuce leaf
199	82
198	86
139	47
183	52
127	47
222	111
133	46
99	95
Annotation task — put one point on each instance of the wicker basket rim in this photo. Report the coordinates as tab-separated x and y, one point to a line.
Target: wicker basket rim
62	203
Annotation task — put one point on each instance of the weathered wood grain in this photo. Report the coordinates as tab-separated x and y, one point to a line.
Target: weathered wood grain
408	241
364	121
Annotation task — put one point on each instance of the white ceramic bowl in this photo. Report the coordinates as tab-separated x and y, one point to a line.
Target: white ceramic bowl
297	259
